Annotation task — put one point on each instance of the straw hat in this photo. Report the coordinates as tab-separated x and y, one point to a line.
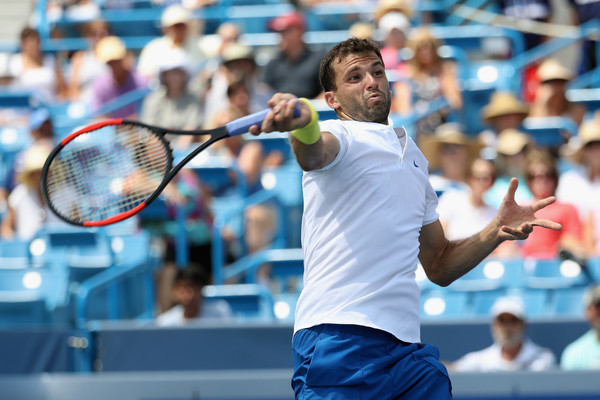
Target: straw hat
362	30
175	14
111	48
33	161
589	131
237	51
449	133
385	6
551	70
503	103
511	142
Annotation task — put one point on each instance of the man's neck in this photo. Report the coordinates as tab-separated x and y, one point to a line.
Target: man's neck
510	353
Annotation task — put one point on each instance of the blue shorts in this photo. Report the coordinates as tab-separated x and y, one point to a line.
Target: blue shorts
348	362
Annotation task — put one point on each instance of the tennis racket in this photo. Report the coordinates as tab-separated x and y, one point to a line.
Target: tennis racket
111	170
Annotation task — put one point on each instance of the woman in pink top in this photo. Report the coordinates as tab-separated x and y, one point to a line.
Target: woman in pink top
542	180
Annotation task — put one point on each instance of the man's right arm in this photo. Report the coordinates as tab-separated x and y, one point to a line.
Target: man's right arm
315	155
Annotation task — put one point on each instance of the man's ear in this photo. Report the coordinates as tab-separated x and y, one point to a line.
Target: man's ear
331	100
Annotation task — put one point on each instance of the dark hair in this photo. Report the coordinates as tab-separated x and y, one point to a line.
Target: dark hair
338	52
191	274
545	158
28	32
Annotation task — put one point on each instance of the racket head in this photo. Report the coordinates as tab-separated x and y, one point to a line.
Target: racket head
106	172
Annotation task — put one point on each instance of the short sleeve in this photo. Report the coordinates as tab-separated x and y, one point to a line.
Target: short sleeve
336	129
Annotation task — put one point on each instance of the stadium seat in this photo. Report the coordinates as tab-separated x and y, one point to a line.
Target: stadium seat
284	306
535	300
285	269
14	254
553	274
568	302
30	296
550	132
491	274
444	305
249	302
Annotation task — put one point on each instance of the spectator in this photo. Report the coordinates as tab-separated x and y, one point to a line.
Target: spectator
83	10
362	30
171	105
41	132
248	156
512	350
213	46
187	194
465	212
584	353
295	68
580	186
550	97
119	80
27	212
191	305
528	10
542	180
387	6
176	22
394	27
31	69
450	154
512	148
85	66
583	12
428	77
238	64
504	111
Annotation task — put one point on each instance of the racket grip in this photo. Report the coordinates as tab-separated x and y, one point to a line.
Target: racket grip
242	125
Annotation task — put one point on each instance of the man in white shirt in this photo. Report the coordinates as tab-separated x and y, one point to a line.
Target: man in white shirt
177	25
191	305
369	217
512	350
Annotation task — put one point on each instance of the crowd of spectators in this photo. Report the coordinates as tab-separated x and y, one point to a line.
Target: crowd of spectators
197	83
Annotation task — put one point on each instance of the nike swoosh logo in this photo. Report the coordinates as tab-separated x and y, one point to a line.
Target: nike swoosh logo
415	164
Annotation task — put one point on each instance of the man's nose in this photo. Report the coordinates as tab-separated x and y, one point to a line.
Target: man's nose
371	81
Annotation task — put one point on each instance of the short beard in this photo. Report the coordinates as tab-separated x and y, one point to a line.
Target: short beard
510	341
379	113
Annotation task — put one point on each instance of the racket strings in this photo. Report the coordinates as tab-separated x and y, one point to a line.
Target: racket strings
106	172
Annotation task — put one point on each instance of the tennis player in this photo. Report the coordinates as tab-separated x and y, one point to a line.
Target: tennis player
369	218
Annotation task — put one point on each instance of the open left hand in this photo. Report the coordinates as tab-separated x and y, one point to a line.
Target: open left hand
517	221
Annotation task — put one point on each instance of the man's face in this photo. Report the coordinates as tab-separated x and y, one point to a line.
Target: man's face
508	330
363	91
186	293
291	38
593	316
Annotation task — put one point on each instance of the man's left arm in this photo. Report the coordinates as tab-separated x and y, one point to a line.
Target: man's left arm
444	261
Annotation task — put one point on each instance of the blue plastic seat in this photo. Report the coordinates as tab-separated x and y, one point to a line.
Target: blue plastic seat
553	274
491	274
30	296
568	302
535	300
444	305
247	301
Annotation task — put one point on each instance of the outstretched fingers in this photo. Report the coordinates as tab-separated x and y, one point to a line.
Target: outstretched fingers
538	205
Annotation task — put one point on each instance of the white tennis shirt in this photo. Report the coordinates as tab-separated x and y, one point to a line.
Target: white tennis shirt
360	231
